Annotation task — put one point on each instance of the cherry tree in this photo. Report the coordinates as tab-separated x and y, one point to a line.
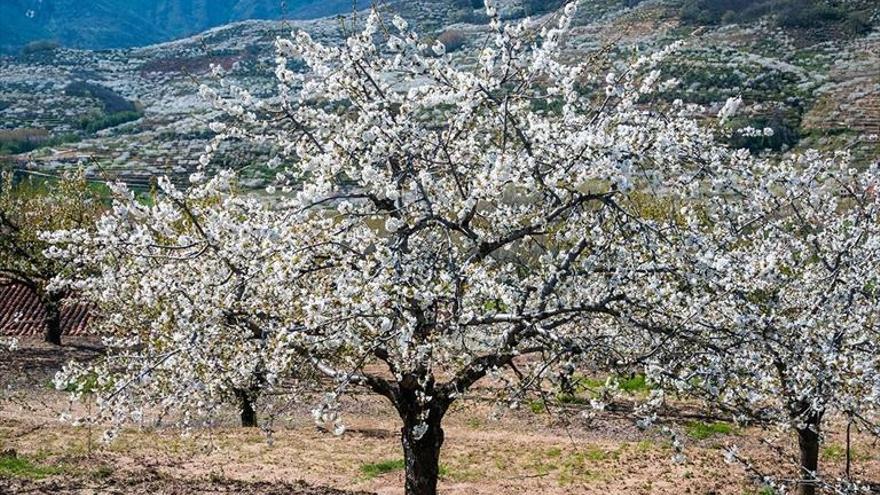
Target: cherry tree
186	283
27	210
435	225
790	333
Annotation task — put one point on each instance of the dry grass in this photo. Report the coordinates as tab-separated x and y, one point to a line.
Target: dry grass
522	452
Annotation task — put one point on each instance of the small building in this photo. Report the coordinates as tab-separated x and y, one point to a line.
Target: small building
22	314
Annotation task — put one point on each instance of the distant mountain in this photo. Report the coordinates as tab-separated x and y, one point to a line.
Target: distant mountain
101	24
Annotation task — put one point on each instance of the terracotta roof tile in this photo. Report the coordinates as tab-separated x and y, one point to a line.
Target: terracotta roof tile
21	313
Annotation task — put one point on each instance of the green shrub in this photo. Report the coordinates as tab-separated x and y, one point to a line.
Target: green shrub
786	13
95	123
25	140
535	7
112	101
785	134
805	16
857	23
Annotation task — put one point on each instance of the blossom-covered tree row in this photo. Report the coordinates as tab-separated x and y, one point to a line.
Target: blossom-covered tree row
522	219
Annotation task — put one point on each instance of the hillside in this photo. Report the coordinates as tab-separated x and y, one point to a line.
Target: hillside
103	24
134	113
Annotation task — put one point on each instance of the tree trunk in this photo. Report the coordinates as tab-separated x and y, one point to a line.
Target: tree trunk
248	413
808	441
422	455
53	320
421	435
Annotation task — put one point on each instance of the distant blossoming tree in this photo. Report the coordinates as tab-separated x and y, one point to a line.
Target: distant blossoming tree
187	282
436	225
791	332
29	209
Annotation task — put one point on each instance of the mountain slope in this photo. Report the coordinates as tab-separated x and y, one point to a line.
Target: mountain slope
101	24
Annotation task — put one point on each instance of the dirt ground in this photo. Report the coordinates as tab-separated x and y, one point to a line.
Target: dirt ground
524	451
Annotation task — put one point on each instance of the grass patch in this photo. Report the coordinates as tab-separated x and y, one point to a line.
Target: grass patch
13	466
537	406
837	453
634	384
475	423
700	431
553	452
645	446
576	468
375	469
594	453
834	452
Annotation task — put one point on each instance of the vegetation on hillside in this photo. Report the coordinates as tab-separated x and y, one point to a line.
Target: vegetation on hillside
849	17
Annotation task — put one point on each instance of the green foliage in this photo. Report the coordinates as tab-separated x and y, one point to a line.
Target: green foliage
704	80
536	7
635	383
95	123
475	423
699	430
29	207
857	23
112	101
86	384
632	384
800	14
785	133
834	452
102	471
10	145
810	15
571	398
594	453
654	207
494	305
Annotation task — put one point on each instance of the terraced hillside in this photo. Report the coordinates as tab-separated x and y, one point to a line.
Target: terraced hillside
815	86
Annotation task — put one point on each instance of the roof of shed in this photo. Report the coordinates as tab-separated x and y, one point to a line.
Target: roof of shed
21	313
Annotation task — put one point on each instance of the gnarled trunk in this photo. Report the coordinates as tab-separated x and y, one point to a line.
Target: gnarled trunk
246	406
421	454
421	435
52	305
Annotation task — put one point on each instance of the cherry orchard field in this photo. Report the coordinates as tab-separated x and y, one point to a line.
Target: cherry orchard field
535	243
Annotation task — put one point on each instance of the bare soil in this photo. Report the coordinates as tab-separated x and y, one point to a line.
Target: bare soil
488	451
152	483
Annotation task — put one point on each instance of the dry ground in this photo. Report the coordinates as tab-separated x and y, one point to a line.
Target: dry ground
523	451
